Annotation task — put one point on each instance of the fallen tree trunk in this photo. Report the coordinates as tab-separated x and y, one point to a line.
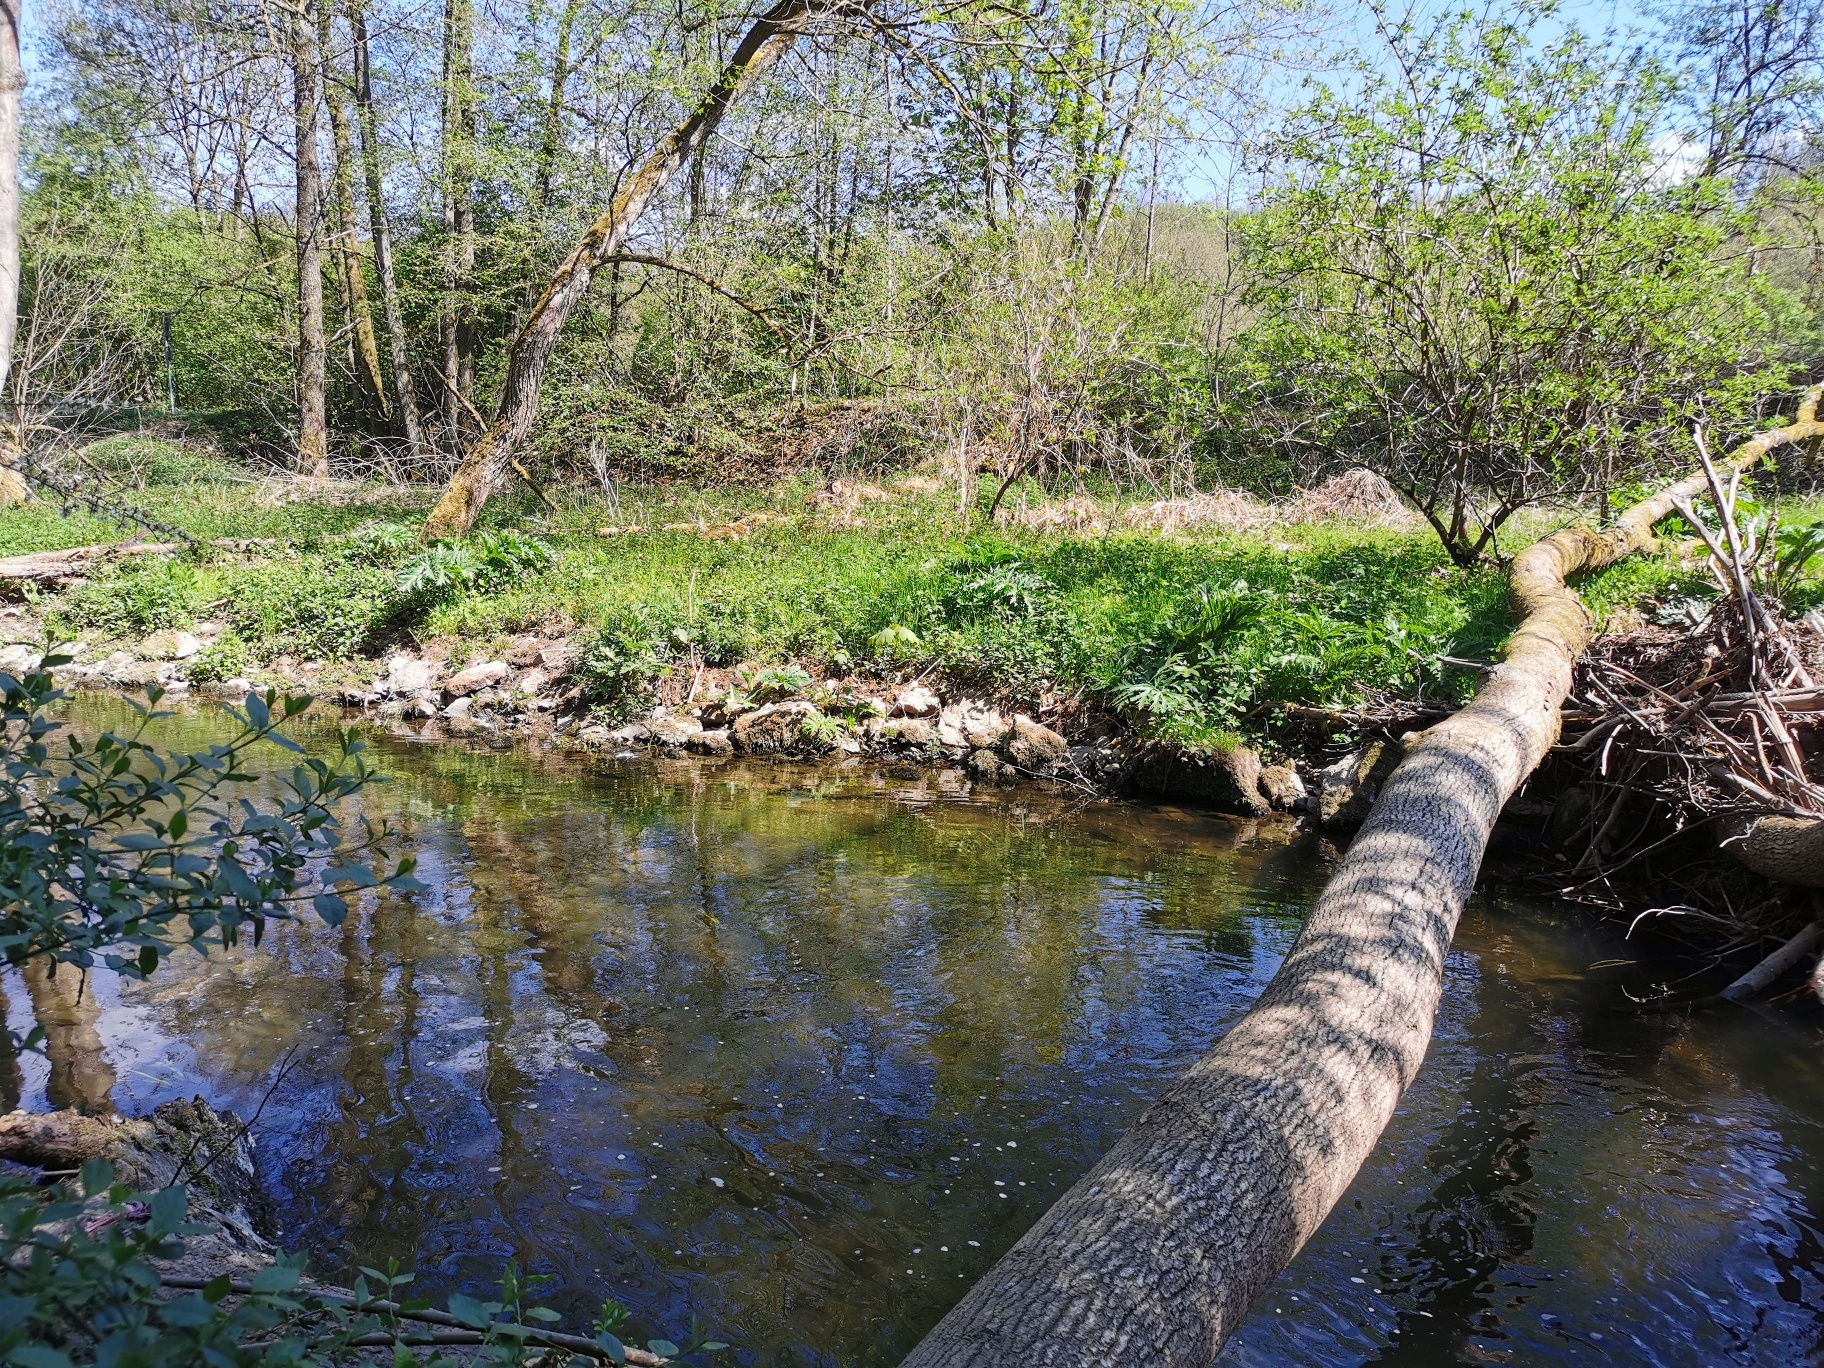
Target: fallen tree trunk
1155	1256
482	468
1788	850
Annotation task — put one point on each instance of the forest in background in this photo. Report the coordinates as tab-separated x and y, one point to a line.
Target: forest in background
1493	257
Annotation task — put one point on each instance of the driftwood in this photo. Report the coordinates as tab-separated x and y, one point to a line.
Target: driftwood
74	563
78	562
1762	977
1156	1255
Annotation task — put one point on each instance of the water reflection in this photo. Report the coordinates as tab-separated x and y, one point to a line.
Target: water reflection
65	1009
801	1053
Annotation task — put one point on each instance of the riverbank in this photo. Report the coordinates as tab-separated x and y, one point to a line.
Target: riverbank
1107	644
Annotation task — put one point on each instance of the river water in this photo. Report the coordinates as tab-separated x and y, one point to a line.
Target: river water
800	1051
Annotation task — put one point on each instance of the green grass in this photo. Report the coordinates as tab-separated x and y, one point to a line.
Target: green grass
1187	637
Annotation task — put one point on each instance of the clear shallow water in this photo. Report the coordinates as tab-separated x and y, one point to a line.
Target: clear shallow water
801	1052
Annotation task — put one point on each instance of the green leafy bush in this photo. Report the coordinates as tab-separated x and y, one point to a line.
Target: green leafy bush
226	658
315	606
485	564
142	598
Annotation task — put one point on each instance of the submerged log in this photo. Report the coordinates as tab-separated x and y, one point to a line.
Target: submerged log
1155	1256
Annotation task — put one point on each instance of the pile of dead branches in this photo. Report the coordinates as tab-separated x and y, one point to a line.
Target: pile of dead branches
1714	729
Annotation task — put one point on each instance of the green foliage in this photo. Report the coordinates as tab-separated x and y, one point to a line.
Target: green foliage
138	598
315	606
484	564
1528	307
111	852
226	658
775	682
617	666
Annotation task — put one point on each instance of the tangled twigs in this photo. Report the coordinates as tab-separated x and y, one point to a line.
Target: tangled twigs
1720	724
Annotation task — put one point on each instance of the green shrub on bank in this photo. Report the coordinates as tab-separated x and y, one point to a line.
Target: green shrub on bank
144	597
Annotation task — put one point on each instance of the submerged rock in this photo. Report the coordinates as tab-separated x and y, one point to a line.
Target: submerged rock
716	741
1228	779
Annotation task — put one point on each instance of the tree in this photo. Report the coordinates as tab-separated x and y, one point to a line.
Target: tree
765	41
403	390
313	422
12	88
1477	277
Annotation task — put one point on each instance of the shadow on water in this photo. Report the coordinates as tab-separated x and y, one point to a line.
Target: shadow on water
801	1052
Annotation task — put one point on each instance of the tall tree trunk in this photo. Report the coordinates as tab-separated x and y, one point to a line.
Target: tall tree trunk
382	236
12	87
1158	1251
458	321
342	208
313	425
551	137
765	41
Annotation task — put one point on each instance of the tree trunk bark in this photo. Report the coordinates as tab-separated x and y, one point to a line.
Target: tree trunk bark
764	43
1156	1255
342	204
382	236
313	424
12	88
1788	850
550	139
458	320
13	488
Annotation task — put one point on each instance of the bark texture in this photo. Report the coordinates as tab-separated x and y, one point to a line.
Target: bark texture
1788	850
403	392
342	204
766	40
1157	1254
12	88
457	323
313	422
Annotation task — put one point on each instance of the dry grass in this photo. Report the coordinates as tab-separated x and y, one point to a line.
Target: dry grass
1357	498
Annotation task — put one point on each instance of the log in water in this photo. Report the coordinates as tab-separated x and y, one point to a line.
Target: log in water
804	1050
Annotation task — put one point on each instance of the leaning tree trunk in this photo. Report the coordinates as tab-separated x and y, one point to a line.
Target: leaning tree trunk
763	44
313	351
382	235
1156	1255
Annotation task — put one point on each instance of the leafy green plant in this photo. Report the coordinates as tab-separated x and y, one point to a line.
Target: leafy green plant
143	598
894	641
381	543
486	563
775	682
226	658
823	730
112	851
616	669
